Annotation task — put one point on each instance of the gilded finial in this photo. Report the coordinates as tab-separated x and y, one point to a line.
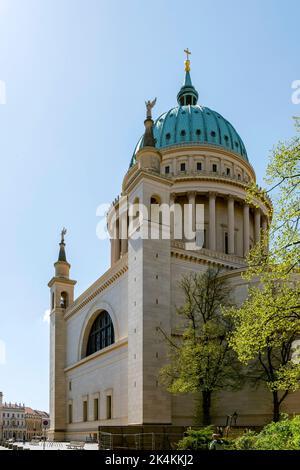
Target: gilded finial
187	62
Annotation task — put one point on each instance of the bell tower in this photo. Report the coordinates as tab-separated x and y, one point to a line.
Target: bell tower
149	286
61	296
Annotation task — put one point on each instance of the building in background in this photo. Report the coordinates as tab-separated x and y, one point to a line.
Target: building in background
12	419
20	422
35	423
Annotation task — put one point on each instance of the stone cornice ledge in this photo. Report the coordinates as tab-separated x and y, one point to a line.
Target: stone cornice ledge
96	355
108	278
206	256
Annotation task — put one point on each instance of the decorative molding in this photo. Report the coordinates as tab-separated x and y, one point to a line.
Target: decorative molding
206	256
122	342
108	278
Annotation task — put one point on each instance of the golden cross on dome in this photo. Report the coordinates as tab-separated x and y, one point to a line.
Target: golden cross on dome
187	61
187	53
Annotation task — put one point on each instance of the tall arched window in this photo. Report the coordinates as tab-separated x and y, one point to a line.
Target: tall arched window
102	333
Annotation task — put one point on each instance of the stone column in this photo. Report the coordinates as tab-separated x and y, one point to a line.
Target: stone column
230	219
116	244
172	215
124	246
112	252
212	221
257	217
264	223
265	230
246	229
123	228
192	202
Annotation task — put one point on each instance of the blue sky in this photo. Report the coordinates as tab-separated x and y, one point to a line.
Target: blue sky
77	73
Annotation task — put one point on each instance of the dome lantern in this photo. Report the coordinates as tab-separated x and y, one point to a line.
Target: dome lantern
187	95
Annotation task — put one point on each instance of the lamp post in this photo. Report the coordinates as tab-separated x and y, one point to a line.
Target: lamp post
44	424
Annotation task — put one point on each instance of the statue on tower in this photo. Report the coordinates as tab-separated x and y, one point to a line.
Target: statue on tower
63	233
149	106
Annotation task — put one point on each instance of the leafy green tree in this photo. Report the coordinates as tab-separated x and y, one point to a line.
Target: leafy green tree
268	323
200	359
196	439
283	184
266	327
283	435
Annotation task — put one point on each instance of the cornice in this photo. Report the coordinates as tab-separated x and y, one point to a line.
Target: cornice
106	280
140	174
205	256
61	280
103	352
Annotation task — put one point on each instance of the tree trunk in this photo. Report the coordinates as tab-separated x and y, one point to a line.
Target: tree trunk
276	407
206	402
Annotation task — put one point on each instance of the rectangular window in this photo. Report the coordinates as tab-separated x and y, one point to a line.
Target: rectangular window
227	171
214	168
226	243
84	410
199	166
182	166
96	409
70	413
167	170
70	385
108	407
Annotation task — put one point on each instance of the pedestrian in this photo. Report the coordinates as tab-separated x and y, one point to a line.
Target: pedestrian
216	443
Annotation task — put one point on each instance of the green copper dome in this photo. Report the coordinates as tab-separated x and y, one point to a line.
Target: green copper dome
192	124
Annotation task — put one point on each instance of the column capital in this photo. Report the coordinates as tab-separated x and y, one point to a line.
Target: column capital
191	194
212	194
172	196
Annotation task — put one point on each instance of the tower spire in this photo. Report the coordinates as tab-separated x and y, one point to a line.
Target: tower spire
187	95
62	252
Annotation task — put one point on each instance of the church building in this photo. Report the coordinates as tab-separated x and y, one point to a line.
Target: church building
106	350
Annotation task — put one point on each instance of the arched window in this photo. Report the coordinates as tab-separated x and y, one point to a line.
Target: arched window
155	200
136	208
63	300
102	333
